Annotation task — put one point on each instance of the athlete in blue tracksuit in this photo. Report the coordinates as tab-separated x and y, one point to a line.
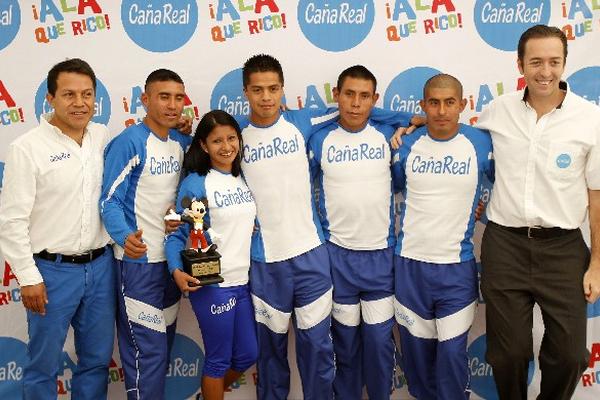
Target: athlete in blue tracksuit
290	272
439	171
351	160
224	311
141	174
290	268
357	214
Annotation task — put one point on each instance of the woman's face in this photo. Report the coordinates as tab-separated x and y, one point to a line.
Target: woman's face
222	146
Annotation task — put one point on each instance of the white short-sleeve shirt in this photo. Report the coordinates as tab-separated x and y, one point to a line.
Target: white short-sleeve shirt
544	167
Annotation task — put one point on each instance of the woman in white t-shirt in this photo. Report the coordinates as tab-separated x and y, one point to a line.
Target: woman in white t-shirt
224	310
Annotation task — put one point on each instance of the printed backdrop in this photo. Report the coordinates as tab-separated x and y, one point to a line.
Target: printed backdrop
403	42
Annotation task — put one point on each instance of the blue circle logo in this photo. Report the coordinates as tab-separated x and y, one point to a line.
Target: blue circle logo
500	23
482	378
101	116
185	368
563	160
159	25
586	83
13	358
336	25
10	21
406	89
228	95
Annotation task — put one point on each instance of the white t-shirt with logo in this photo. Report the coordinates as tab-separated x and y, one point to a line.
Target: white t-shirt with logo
356	203
275	166
441	183
231	214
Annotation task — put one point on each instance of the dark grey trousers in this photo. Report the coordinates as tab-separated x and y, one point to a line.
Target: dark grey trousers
516	273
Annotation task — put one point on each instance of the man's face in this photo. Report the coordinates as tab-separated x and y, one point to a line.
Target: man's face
542	66
164	104
443	106
356	98
73	102
264	92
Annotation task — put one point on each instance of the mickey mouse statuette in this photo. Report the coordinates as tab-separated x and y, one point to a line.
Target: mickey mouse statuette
200	260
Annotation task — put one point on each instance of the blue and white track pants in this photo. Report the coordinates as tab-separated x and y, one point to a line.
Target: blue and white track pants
435	307
300	286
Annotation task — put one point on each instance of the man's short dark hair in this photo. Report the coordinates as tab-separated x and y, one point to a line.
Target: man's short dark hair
162	75
359	72
261	63
75	65
443	81
538	32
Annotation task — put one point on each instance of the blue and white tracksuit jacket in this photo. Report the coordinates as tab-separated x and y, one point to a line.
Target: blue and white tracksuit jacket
141	174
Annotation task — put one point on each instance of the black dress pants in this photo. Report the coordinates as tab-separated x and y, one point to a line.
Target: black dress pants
518	271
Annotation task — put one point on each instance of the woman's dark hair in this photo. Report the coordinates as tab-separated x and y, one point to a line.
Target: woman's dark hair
196	159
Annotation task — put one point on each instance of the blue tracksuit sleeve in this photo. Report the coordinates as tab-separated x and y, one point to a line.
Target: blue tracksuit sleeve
191	186
122	160
310	120
398	168
320	118
315	146
388	117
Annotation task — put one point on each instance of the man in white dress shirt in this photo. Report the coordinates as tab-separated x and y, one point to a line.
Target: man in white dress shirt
52	236
547	152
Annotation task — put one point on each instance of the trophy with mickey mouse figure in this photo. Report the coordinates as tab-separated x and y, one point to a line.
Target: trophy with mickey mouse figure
201	260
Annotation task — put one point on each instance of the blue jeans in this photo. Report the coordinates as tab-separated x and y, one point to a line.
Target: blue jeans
83	296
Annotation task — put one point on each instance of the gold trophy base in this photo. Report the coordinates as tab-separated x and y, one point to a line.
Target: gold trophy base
206	267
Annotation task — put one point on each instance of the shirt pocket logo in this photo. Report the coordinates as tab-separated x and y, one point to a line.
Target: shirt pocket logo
563	160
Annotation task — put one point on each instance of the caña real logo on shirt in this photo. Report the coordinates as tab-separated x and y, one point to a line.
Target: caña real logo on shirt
231	198
276	147
59	156
447	165
164	166
563	160
363	151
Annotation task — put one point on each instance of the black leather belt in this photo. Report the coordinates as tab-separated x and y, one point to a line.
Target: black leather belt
73	259
536	232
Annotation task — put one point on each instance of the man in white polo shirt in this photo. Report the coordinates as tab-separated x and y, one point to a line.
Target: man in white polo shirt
547	152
